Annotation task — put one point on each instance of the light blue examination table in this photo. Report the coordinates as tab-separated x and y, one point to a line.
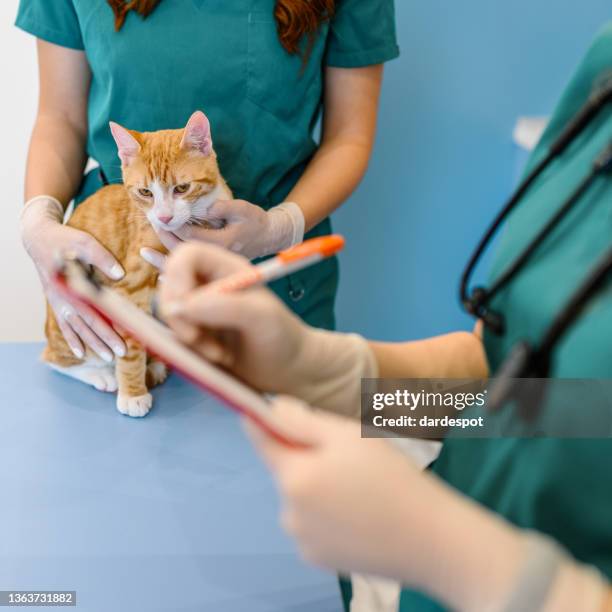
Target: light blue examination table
170	513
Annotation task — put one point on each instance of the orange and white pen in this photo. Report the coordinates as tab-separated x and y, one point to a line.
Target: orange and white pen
286	262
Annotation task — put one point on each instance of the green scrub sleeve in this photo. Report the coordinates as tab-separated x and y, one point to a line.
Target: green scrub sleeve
362	34
55	21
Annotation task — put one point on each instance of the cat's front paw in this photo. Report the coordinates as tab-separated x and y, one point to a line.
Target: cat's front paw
137	406
157	372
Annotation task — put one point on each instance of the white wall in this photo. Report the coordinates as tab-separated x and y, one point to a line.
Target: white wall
21	301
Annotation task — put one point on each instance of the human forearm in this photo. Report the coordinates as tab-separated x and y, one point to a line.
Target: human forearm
488	564
608	604
57	152
55	165
358	504
331	365
330	178
350	109
578	587
56	158
472	568
455	355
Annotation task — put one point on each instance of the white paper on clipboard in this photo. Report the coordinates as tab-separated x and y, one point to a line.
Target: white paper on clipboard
75	283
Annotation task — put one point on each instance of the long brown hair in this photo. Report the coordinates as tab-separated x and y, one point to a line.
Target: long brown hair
295	19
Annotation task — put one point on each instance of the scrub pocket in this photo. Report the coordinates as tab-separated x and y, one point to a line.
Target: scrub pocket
311	293
277	81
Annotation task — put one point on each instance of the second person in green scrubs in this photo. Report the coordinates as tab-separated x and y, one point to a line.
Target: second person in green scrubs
262	70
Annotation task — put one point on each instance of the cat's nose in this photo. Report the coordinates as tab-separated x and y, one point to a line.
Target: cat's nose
165	219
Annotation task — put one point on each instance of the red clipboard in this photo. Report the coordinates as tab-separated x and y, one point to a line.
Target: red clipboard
75	281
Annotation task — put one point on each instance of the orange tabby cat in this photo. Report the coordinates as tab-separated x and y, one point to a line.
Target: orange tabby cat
170	178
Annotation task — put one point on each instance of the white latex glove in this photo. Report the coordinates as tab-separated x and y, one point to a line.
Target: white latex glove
246	229
254	335
356	504
44	236
340	495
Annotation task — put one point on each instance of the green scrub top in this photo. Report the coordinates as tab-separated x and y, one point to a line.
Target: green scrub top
559	487
223	58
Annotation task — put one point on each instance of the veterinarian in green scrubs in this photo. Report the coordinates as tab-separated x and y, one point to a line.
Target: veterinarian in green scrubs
557	487
226	59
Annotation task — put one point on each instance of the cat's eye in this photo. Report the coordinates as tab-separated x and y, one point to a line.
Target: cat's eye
145	193
180	189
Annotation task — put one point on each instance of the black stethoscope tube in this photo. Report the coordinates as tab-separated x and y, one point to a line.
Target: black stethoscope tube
528	361
476	302
524	257
592	285
525	360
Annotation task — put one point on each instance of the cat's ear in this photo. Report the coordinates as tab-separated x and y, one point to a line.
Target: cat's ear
127	145
197	134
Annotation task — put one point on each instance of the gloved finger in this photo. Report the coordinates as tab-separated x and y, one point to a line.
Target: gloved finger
214	350
290	413
225	236
186	332
304	423
183	233
215	310
169	240
226	210
154	257
194	264
89	250
73	341
107	334
310	427
87	336
211	345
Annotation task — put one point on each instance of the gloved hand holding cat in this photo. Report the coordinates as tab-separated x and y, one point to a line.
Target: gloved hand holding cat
171	186
44	236
241	227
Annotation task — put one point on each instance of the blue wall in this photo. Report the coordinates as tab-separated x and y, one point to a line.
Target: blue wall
444	159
